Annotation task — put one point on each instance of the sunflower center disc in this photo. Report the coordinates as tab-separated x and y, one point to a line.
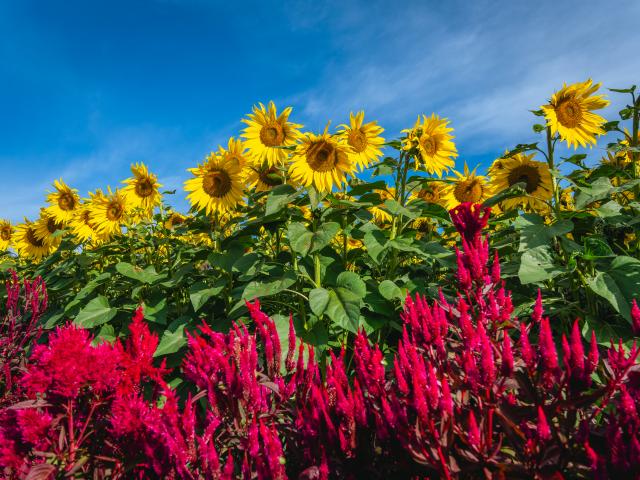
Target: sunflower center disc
66	202
5	234
527	174
272	135
270	177
569	113
52	225
114	212
429	145
358	140
144	188
32	239
216	183
322	156
468	191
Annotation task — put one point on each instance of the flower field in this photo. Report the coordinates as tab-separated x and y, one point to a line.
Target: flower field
337	304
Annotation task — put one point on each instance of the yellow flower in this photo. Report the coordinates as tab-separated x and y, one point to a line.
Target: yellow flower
364	139
62	202
217	186
142	190
430	140
267	132
82	225
109	212
521	168
235	153
433	192
321	161
566	200
466	187
6	232
46	226
264	177
174	220
381	216
570	113
28	245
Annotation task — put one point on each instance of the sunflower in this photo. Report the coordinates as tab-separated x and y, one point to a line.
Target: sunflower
174	220
364	139
267	132
430	141
321	161
217	186
466	187
381	216
570	113
433	192
46	226
521	168
82	224
28	245
63	202
566	200
264	177
109	212
142	190
235	153
6	232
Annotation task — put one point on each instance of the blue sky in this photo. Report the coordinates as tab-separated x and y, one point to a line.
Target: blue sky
87	88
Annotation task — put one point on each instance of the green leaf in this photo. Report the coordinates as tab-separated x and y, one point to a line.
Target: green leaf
595	248
156	313
343	308
390	290
171	342
600	188
257	289
395	209
375	242
106	334
352	282
279	197
619	284
318	300
534	233
95	313
303	241
147	275
201	292
537	265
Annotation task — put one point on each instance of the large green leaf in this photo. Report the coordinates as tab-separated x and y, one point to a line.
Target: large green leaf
587	194
343	308
304	241
157	312
201	292
257	289
279	197
318	300
375	242
537	265
534	233
351	281
171	342
619	284
147	275
389	290
95	313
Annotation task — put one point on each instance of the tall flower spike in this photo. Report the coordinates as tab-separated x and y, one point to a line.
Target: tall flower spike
635	317
538	311
474	431
544	432
469	219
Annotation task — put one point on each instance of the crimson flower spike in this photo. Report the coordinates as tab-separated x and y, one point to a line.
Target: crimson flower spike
538	311
469	219
635	317
544	432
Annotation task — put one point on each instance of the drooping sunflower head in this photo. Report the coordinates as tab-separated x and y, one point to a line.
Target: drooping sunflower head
46	226
216	186
433	192
431	143
174	220
570	113
267	133
27	243
62	202
566	200
235	153
322	161
143	190
6	233
466	187
381	216
110	212
364	139
264	177
522	169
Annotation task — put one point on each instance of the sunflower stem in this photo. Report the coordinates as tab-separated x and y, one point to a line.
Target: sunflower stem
550	162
